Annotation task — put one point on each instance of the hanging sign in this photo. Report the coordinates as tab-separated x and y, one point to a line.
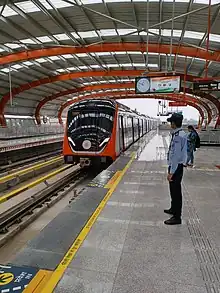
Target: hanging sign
206	86
150	85
177	104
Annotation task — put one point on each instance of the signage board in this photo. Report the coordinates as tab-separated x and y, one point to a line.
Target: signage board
177	104
15	279
206	86
157	85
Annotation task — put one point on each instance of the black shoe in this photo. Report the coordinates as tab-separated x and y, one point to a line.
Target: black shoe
168	212
173	221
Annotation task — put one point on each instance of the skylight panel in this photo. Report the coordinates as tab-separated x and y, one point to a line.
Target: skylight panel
206	1
44	39
95	66
120	53
134	52
111	65
126	64
27	41
61	70
61	37
28	6
54	58
214	38
8	11
108	32
88	34
81	55
41	60
193	35
116	1
91	1
101	54
56	3
75	35
67	56
125	31
176	33
27	63
17	66
71	68
12	46
6	70
83	67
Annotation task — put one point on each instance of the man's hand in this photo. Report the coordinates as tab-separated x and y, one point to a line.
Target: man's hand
169	177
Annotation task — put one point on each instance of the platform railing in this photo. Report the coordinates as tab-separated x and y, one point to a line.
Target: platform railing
35	130
210	136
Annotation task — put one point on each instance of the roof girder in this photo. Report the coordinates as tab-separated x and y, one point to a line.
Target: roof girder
190	101
111	47
104	86
62	77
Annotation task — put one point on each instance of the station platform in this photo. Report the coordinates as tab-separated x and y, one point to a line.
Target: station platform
22	143
111	238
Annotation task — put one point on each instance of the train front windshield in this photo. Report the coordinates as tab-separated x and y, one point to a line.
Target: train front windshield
90	124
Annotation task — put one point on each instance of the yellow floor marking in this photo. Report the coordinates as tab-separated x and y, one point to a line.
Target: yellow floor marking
58	273
22	172
38	282
32	184
113	179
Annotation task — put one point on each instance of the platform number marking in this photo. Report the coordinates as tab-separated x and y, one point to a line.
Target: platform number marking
6	278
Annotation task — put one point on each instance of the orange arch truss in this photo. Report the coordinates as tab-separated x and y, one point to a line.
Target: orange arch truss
107	86
131	95
111	47
75	75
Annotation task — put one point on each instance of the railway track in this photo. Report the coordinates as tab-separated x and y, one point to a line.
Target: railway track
21	215
6	169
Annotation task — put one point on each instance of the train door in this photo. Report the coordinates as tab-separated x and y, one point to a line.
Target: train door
139	128
121	134
132	121
142	127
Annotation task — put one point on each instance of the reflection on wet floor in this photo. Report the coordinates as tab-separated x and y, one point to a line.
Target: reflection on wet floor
157	147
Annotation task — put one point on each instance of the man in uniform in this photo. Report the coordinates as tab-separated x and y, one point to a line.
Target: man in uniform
177	157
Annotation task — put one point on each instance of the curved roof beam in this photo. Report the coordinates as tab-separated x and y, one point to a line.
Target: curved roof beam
107	86
111	47
61	77
130	94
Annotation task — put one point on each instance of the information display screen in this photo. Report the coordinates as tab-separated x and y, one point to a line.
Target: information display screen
149	85
206	86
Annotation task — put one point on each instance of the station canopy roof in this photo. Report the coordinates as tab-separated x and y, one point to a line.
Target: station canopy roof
81	43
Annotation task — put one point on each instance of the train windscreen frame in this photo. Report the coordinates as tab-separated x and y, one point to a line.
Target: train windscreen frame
90	124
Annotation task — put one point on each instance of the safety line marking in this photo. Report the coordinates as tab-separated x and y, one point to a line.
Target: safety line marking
38	282
33	168
113	179
61	268
32	184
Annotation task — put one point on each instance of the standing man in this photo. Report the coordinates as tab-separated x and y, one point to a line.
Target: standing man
177	156
191	145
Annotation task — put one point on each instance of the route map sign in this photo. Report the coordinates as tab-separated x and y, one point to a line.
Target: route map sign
15	279
206	86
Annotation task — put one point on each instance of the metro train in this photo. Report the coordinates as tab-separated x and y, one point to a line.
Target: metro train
98	130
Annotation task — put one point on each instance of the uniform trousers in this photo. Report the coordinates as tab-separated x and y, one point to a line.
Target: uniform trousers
176	191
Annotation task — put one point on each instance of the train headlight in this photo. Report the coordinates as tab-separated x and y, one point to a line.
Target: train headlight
71	141
86	144
104	141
